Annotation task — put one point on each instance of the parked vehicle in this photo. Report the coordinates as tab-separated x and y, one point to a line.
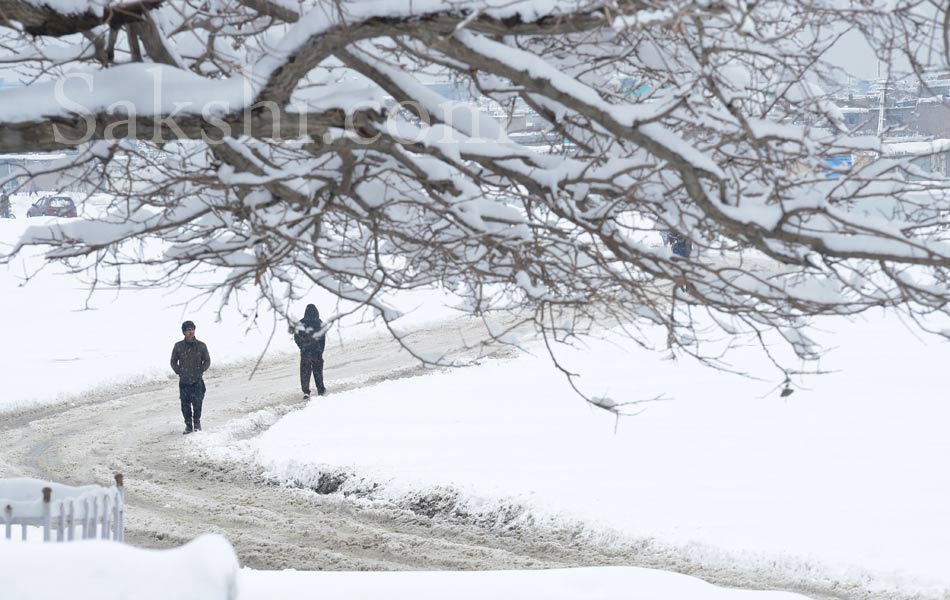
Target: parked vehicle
53	206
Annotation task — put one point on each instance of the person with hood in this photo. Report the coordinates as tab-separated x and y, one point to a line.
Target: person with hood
311	339
679	245
5	212
190	359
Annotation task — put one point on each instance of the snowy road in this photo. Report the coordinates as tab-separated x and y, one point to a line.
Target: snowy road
174	495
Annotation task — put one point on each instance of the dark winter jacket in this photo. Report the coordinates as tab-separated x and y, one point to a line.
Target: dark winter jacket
307	334
190	360
678	244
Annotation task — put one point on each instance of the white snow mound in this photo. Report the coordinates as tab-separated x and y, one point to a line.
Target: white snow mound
204	569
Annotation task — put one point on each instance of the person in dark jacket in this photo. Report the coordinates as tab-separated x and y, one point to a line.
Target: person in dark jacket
5	212
679	245
311	339
190	359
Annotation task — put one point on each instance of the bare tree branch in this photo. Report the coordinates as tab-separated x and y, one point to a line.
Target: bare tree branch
39	18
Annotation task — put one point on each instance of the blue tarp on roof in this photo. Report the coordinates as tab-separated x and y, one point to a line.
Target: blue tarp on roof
837	165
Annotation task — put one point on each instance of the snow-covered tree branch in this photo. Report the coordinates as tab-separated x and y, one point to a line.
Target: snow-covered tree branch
296	144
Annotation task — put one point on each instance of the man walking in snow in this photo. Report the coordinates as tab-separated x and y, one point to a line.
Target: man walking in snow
311	340
190	359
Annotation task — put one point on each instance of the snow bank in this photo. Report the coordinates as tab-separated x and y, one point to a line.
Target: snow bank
602	583
845	480
205	569
25	498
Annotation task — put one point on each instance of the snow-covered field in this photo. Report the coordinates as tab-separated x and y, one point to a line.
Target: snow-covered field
207	569
61	342
604	583
845	480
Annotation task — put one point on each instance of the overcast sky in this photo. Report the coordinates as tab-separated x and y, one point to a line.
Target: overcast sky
853	54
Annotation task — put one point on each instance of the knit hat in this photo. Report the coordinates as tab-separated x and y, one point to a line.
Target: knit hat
187	325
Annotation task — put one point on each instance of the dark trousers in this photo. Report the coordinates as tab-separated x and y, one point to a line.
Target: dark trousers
314	365
192	394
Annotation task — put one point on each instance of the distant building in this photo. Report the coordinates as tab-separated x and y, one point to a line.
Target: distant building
936	85
931	158
912	106
933	117
859	119
26	173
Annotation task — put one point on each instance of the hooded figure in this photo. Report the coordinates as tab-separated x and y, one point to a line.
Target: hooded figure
311	340
679	245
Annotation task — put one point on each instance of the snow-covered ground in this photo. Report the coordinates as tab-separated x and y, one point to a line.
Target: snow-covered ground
606	583
61	342
207	569
845	480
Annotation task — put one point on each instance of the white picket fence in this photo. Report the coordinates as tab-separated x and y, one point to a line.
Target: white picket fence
99	511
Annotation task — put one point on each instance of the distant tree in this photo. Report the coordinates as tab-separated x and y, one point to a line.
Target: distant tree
294	144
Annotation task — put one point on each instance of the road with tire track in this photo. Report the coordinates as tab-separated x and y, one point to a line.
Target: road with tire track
175	493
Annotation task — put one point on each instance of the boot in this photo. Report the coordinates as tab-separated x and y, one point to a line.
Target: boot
197	425
188	429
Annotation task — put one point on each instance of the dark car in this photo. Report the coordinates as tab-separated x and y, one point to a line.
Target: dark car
53	206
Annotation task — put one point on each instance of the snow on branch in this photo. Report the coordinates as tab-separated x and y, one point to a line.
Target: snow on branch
64	17
534	158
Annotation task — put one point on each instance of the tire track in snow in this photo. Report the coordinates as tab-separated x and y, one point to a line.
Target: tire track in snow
174	493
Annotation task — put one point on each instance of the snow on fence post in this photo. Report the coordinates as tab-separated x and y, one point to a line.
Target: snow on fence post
106	513
120	509
72	521
61	522
47	524
98	509
92	509
85	519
